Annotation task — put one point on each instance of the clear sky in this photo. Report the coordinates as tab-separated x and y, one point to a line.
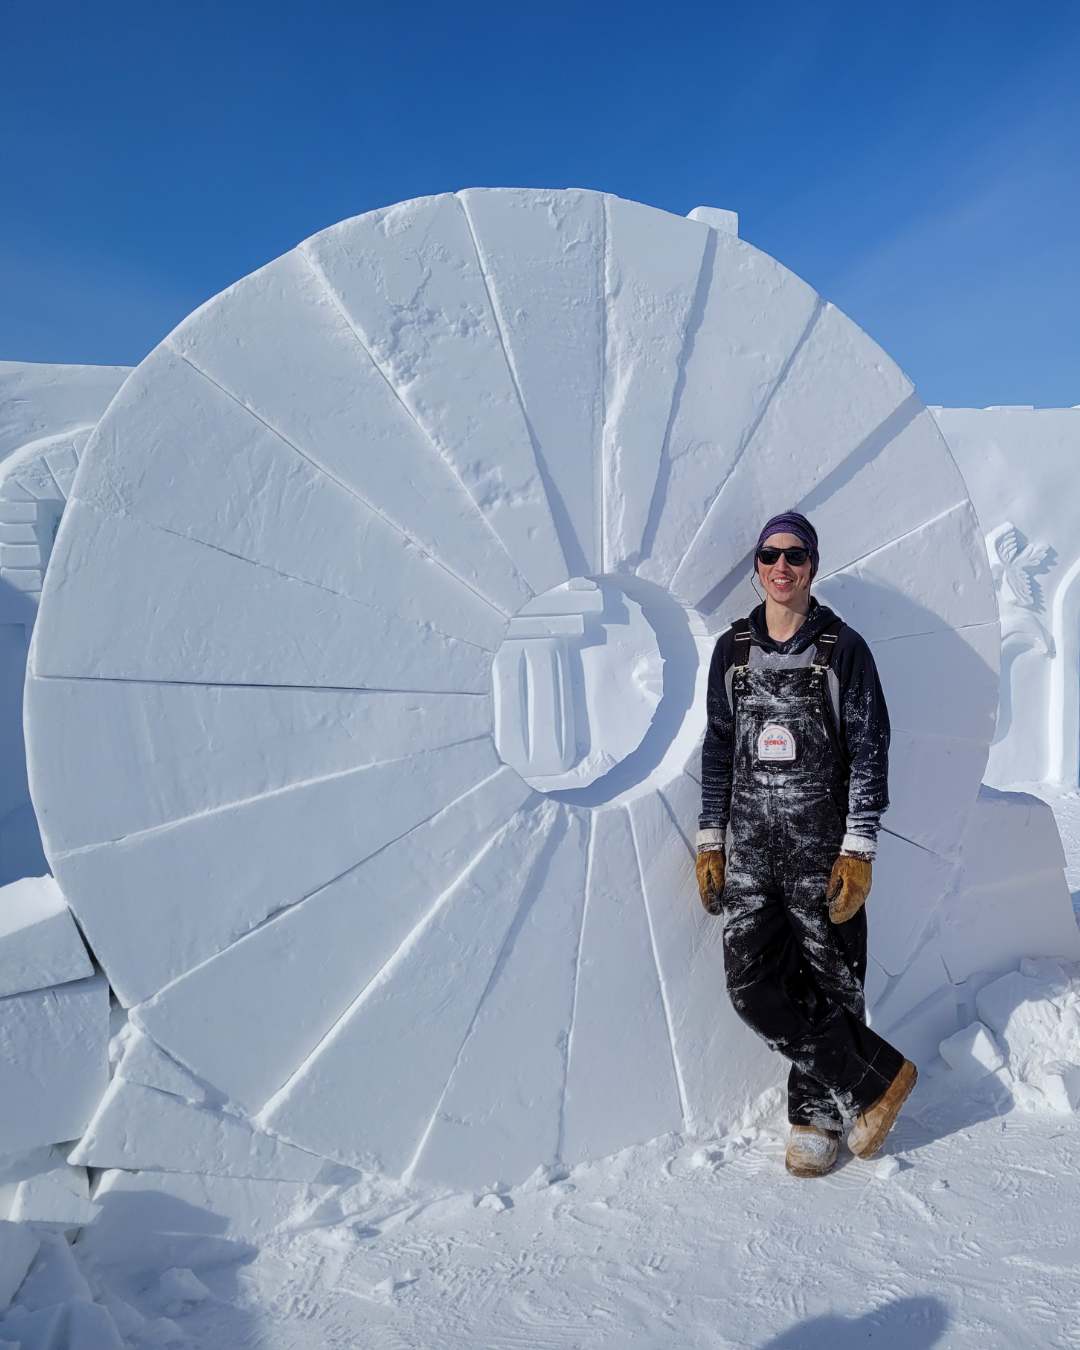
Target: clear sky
919	164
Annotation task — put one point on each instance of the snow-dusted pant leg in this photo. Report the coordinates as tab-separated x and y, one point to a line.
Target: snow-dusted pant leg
808	1102
794	977
836	964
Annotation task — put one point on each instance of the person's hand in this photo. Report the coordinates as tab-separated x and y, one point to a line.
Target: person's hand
849	885
710	867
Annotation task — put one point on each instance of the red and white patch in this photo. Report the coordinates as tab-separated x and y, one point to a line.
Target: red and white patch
776	744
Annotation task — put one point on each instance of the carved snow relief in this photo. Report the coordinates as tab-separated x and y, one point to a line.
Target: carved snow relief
1015	565
1019	463
576	683
371	669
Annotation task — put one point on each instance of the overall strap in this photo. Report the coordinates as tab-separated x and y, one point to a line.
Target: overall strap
823	655
740	631
826	645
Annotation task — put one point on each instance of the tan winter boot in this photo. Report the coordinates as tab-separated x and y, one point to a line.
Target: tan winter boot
872	1125
810	1152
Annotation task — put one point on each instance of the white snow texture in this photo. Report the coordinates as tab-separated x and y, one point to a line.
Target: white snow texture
368	684
46	414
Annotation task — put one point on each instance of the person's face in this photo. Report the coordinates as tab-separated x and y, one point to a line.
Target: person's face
783	582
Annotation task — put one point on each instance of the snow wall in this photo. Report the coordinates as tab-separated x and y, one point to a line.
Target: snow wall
46	414
1020	463
366	696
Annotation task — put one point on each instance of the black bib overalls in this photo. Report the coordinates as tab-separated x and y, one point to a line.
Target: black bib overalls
793	976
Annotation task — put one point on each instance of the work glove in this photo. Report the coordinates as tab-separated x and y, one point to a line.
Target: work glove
710	868
849	885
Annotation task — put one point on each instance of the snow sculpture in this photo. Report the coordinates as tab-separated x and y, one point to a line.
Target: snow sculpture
369	680
46	414
1018	463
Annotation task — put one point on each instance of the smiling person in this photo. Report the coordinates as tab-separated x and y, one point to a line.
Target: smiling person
794	783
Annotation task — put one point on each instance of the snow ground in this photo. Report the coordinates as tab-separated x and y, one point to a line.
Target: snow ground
972	1241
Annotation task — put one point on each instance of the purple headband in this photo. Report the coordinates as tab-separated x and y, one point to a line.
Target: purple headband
791	522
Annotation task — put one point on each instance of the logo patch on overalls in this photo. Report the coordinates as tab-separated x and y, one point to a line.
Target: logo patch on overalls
776	744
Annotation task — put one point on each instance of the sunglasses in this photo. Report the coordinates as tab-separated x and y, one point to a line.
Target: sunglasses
795	556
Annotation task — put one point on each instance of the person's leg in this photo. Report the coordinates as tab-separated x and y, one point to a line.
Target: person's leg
761	960
788	975
809	1101
789	979
843	1059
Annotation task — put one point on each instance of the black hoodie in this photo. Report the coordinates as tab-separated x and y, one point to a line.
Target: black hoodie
858	705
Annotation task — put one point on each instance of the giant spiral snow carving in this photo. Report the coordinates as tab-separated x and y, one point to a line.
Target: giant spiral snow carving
368	684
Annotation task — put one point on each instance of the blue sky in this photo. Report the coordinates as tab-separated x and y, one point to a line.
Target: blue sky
918	164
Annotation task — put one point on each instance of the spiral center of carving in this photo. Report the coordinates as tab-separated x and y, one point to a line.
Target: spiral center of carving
576	682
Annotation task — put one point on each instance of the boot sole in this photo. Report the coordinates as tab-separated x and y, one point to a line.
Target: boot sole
875	1141
812	1168
797	1171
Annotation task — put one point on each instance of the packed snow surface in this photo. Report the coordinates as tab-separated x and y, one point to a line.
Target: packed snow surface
964	1236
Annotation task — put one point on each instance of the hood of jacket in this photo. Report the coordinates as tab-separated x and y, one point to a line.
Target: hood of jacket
816	621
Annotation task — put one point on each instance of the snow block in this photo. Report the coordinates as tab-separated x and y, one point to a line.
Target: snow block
197	432
57	1194
53	1062
409	280
930	780
892	593
753	314
717	218
1037	1018
1011	899
54	1277
998	1000
39	399
413	1019
160	625
540	253
923	976
722	1066
310	378
145	1215
909	885
145	1063
74	1326
653	264
963	707
18	1247
1060	1084
803	435
331	944
919	1034
621	1085
902	484
179	1290
502	1106
137	1127
972	1052
1011	834
168	751
155	904
1055	972
39	943
987	928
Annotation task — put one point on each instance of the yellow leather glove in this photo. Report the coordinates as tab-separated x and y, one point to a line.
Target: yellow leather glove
710	867
849	885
